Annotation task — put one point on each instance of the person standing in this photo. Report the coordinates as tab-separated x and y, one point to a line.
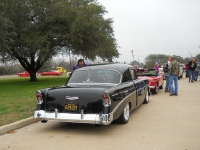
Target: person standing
196	72
192	65
166	73
157	68
174	69
187	70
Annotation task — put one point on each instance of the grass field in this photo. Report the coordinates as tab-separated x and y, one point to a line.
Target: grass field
17	96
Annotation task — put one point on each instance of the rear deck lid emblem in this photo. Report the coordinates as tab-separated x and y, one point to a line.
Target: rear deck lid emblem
72	98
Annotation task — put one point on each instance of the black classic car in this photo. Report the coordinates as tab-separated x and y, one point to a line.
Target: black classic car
97	94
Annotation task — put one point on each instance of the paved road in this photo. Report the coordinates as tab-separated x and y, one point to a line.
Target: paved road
8	76
166	123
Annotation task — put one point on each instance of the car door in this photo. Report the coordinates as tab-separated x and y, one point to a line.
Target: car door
49	73
130	88
139	84
123	93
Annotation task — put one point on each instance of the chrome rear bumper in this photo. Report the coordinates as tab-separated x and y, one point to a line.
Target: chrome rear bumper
101	119
152	87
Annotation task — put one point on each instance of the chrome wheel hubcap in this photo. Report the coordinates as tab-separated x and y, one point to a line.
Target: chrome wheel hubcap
147	96
126	111
156	88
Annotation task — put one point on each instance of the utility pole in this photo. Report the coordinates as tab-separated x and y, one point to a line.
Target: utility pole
132	55
70	60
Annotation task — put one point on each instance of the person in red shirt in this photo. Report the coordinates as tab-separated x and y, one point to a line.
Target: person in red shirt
186	69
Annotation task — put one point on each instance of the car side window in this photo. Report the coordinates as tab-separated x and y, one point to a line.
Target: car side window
126	76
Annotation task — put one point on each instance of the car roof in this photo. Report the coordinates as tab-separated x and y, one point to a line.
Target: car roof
118	67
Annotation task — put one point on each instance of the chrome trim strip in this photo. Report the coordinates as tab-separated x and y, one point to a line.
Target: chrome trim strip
56	113
121	103
82	115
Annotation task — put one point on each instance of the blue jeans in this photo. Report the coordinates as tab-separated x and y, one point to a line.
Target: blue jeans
187	73
196	74
191	75
167	81
173	83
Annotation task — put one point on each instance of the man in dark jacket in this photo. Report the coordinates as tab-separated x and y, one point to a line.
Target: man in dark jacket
166	73
192	65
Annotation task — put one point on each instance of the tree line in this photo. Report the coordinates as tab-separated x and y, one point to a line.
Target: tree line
162	58
14	67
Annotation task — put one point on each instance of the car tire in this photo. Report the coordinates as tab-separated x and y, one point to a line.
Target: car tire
124	117
146	99
155	91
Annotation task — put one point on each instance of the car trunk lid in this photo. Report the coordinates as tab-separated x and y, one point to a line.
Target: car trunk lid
74	100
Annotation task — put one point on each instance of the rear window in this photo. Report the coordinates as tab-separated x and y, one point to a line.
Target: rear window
95	76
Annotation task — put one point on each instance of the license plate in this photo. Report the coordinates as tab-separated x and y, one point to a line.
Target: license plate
71	107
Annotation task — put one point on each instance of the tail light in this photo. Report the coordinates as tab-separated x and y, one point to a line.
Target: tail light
106	99
152	82
39	97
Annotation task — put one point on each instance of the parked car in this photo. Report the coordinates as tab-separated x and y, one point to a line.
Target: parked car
161	72
61	70
96	94
181	73
69	73
50	73
183	67
24	74
156	82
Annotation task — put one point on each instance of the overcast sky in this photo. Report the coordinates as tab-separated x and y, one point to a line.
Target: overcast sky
170	27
